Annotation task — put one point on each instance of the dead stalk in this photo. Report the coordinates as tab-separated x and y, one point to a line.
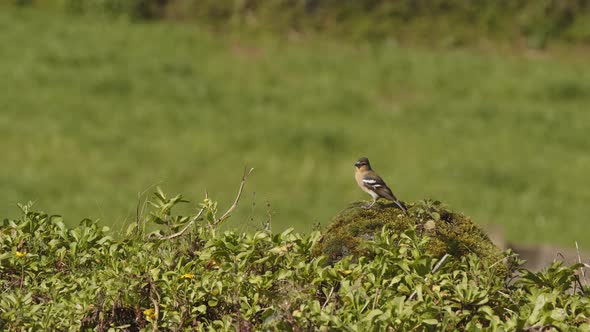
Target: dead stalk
582	271
220	219
434	269
175	235
328	298
156	314
375	299
502	259
235	204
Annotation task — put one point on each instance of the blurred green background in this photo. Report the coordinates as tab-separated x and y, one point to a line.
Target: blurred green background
100	102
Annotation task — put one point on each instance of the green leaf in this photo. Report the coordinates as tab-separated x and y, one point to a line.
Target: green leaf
430	321
371	315
558	314
539	304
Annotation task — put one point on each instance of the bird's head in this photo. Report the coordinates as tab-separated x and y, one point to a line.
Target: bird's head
362	162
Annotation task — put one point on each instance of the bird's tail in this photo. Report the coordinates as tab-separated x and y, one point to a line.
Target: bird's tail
401	206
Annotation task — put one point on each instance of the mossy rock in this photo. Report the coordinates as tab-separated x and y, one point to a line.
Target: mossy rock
449	232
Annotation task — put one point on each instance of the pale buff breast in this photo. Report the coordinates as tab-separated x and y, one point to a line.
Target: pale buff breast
358	175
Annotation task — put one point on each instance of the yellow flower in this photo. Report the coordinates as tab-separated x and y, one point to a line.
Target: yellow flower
187	276
20	254
345	272
150	314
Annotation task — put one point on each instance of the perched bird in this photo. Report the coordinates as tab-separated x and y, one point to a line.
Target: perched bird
373	184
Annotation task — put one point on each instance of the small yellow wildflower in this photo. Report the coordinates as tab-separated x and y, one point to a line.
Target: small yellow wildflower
345	272
150	314
21	254
187	276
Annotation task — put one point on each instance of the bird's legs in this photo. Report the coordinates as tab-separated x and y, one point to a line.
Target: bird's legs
371	204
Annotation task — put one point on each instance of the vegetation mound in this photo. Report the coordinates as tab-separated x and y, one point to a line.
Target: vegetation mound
450	233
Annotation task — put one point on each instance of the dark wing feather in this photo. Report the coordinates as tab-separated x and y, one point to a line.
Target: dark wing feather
375	183
385	192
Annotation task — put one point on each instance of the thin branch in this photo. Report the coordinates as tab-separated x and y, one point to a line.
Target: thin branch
220	219
434	269
182	231
510	311
235	204
328	298
542	328
577	278
156	306
581	267
501	259
440	263
268	225
376	298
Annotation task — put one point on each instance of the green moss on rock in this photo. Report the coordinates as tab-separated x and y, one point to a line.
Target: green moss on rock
449	232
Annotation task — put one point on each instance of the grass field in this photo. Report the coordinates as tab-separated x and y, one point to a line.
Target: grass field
93	112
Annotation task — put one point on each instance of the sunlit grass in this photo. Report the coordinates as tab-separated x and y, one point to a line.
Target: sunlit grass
93	112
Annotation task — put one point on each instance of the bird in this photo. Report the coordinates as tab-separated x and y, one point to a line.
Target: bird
373	184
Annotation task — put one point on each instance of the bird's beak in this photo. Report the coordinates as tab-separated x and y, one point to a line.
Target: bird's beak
357	164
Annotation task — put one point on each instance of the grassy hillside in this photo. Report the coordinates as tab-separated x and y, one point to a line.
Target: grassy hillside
93	112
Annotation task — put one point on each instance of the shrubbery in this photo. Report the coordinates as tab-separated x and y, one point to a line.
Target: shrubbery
59	278
441	21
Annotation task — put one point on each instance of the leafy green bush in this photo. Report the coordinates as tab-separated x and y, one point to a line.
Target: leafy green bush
198	278
446	21
145	9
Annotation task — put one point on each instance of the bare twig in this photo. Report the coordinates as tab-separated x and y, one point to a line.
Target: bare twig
582	271
503	294
501	259
328	298
510	311
577	278
434	269
268	225
235	204
376	298
220	219
182	231
156	308
542	328
440	263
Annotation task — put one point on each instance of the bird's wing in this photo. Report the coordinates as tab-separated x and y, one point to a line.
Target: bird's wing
375	183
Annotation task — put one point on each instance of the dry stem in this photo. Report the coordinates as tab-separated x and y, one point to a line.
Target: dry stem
235	204
434	269
220	219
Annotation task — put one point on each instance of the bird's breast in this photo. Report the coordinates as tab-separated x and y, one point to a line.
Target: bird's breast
359	179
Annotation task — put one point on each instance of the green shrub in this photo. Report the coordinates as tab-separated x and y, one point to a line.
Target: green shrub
82	278
440	21
140	9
